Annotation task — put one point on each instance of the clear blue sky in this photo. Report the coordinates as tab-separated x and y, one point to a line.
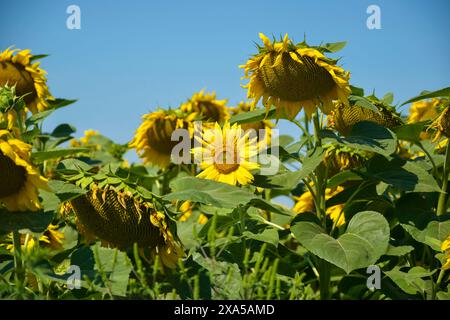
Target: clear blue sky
132	56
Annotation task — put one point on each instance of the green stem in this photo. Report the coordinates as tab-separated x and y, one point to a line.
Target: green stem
442	204
324	278
18	263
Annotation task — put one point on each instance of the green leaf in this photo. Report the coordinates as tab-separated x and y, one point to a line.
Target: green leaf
410	132
433	235
357	91
63	130
218	194
364	242
334	46
388	98
412	281
445	92
65	191
253	116
367	136
41	156
362	102
289	180
269	235
399	251
33	221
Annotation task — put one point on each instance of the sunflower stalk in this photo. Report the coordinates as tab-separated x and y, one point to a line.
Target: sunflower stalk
18	262
442	203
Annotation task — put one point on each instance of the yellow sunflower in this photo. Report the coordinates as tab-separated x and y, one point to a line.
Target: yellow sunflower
51	238
152	140
265	125
85	141
206	107
423	110
442	124
17	68
344	117
120	219
20	181
186	209
445	247
305	203
292	77
226	154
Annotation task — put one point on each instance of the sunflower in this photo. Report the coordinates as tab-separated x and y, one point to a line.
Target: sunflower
20	181
424	110
227	154
121	219
17	68
51	238
264	125
152	140
339	158
344	117
442	124
86	140
305	203
186	209
292	77
206	107
445	247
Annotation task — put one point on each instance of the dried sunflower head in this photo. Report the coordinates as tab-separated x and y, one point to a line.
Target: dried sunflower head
339	158
442	124
294	76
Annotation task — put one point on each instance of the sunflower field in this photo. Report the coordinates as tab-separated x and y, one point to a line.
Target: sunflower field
197	217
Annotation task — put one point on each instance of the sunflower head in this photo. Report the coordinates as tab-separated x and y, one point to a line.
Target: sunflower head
152	140
20	181
205	107
424	110
294	76
305	203
265	125
226	154
17	68
445	247
344	117
339	158
121	219
442	124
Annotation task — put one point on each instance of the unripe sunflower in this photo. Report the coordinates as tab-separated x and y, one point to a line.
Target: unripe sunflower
120	219
344	117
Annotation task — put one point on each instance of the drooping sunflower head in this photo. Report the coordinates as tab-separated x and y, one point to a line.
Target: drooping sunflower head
442	124
18	69
152	140
424	110
121	219
339	158
226	154
262	129
294	76
305	203
19	180
344	117
205	107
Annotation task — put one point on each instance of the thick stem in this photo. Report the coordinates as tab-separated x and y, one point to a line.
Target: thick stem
324	279
442	203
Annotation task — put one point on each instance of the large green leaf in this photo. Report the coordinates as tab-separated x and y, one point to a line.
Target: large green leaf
218	194
411	282
253	116
367	136
289	180
41	156
445	92
410	132
433	235
33	221
364	242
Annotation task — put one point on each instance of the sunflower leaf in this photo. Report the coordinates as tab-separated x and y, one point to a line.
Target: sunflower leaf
41	156
445	92
253	116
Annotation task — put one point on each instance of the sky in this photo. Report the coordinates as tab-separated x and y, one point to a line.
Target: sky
131	57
